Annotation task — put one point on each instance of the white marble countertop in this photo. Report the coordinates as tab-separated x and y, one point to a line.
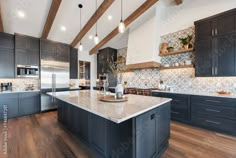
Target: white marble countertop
117	112
12	92
193	92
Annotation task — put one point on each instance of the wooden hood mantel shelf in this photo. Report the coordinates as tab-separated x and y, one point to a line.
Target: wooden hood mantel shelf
145	65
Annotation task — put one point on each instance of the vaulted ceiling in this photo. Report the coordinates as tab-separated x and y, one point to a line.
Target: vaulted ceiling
36	12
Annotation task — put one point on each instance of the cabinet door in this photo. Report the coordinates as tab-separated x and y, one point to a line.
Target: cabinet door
29	103
63	51
33	58
204	30
83	117
21	42
21	57
225	55
163	125
73	63
7	64
6	41
48	50
10	101
98	128
146	139
225	24
33	44
204	61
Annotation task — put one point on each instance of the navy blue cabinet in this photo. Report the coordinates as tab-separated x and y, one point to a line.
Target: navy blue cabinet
7	62
73	63
180	105
29	103
215	45
9	101
20	104
218	114
26	50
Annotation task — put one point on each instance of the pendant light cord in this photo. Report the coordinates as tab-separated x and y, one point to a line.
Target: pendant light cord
96	22
121	10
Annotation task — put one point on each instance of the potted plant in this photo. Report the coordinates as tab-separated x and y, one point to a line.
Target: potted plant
186	41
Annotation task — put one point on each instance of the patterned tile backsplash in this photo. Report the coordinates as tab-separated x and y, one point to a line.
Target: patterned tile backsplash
21	84
178	79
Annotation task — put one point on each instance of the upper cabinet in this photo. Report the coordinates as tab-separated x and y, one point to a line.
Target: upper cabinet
54	51
7	64
215	45
73	63
104	57
26	50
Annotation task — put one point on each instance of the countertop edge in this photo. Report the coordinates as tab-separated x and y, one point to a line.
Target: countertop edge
14	92
198	94
111	119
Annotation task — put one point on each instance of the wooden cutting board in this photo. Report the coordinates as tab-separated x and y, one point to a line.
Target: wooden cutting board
111	98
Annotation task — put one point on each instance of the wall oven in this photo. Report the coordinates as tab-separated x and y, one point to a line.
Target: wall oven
27	71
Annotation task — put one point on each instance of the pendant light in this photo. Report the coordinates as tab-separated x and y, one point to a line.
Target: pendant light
96	39
122	24
80	44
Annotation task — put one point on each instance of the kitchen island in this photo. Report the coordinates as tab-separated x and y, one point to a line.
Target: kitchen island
138	128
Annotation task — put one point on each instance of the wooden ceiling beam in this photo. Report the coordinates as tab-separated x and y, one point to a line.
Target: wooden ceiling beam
1	23
178	2
51	17
99	12
138	12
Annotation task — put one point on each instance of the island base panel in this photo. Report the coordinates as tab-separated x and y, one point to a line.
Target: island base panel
146	135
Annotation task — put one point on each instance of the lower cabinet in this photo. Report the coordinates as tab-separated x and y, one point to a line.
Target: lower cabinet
29	103
214	113
180	105
19	104
9	104
150	142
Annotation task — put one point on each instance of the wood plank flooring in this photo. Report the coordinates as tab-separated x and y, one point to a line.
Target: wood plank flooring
41	136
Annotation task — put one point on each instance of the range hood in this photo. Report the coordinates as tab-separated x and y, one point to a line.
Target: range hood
143	46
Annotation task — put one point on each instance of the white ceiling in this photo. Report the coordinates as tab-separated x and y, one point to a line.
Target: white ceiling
36	12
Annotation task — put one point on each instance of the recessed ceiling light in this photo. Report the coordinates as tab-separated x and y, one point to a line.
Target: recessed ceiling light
63	28
109	17
90	37
21	14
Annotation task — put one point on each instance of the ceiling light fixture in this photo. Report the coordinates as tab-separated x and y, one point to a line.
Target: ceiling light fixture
96	39
63	28
109	17
21	14
122	24
80	45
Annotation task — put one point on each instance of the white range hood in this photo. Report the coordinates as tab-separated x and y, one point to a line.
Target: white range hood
143	45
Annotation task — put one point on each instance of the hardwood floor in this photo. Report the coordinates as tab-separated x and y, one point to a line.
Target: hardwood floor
41	136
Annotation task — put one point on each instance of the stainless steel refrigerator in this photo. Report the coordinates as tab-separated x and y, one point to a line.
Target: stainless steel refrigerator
54	77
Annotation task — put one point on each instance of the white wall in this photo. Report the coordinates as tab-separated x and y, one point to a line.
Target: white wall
175	18
84	56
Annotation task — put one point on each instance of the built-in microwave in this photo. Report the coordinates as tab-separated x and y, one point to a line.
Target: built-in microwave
27	71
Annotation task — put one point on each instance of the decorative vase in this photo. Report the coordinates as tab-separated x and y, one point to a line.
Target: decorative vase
186	46
119	91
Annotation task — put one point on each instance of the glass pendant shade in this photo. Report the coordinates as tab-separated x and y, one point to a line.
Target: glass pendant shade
96	39
122	27
81	47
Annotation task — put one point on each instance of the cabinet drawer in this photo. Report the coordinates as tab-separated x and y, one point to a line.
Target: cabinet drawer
215	110
179	114
214	123
225	102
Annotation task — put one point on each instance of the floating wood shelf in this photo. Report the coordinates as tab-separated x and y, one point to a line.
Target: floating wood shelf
145	65
177	67
177	52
